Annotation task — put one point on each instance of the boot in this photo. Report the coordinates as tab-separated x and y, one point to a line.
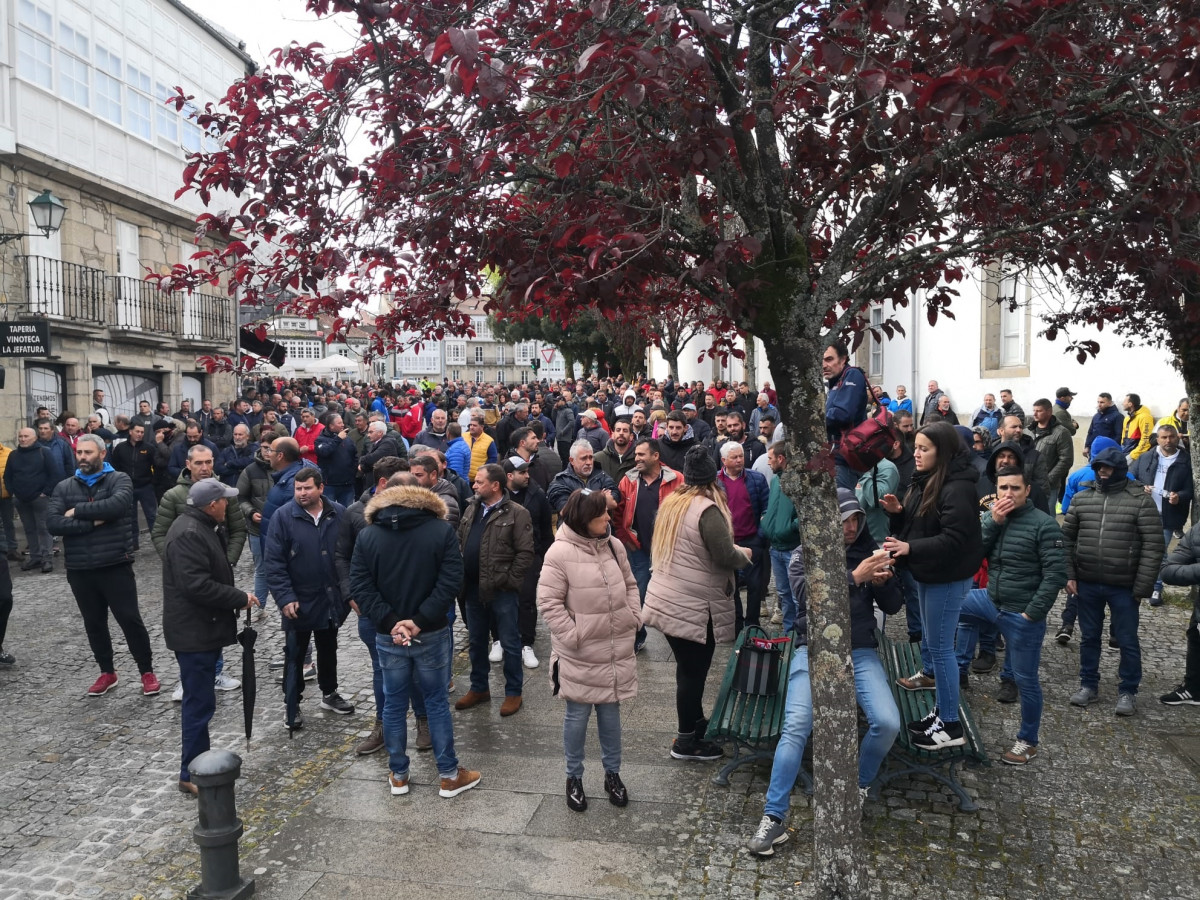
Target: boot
424	742
372	742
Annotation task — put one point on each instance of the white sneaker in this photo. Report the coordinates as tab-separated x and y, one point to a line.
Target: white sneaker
226	683
177	694
497	653
529	658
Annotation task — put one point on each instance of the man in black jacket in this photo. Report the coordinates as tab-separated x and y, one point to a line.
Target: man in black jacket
30	475
91	510
404	575
135	458
200	607
529	494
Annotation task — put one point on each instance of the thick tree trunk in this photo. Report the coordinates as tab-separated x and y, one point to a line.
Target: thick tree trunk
809	481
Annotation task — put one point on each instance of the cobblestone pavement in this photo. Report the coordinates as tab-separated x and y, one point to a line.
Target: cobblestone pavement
89	808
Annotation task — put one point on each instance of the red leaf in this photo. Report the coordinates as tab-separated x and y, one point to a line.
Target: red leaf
563	165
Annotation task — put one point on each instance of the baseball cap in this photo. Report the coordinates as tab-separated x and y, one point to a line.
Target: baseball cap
588	414
1064	392
205	491
691	406
517	463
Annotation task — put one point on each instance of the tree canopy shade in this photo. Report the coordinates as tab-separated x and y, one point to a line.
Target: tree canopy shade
779	164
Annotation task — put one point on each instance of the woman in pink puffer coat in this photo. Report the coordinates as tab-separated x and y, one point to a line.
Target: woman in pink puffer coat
589	600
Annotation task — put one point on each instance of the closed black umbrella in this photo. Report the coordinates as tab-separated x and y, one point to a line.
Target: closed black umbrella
247	638
293	677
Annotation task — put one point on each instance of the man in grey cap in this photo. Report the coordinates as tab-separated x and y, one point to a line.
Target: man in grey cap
200	607
701	429
590	430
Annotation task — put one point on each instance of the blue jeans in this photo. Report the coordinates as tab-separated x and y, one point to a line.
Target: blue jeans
427	664
144	497
196	673
780	559
608	727
260	571
500	614
1024	652
340	493
367	634
1092	600
639	562
1168	534
874	696
940	605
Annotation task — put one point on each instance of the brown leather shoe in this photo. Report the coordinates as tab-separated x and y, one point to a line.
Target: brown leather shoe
463	780
510	706
372	742
424	741
186	787
473	698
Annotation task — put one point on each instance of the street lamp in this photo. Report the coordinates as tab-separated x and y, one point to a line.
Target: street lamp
48	212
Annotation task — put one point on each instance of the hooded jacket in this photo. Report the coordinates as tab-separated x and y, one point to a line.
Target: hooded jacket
1037	495
863	597
1077	478
1183	568
945	545
406	562
253	485
199	599
589	600
1113	532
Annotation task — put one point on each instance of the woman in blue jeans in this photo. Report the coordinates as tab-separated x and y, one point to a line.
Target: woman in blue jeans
935	535
871	582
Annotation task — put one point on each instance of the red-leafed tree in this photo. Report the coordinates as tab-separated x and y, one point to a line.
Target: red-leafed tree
783	164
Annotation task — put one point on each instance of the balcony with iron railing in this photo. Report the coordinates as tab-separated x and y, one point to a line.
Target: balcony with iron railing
73	293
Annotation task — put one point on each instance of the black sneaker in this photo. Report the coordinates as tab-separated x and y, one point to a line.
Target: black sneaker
7	660
694	749
941	736
576	798
1008	692
920	725
334	703
985	662
1000	643
1181	696
964	681
1114	643
1064	636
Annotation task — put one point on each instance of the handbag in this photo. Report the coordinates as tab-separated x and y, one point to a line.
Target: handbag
758	665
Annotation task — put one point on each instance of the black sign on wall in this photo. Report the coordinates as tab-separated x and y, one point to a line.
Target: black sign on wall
24	338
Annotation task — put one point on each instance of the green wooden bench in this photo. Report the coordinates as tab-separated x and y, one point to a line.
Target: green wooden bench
901	659
751	722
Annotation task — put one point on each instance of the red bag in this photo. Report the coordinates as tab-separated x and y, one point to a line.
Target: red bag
868	442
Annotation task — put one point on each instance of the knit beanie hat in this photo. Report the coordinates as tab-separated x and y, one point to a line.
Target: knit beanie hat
698	467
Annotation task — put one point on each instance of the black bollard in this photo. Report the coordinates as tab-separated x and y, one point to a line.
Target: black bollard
214	772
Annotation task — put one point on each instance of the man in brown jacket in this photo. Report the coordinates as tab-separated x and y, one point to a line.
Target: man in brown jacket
496	536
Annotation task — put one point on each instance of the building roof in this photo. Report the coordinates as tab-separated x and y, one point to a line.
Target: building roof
234	44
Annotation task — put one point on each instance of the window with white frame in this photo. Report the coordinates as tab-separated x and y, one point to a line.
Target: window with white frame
876	344
454	374
478	355
301	350
166	119
1012	321
291	323
427	361
482	328
499	376
35	55
108	85
193	135
526	350
137	102
499	354
456	353
74	74
479	376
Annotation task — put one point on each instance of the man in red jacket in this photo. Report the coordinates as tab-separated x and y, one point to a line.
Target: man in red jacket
307	433
407	417
642	490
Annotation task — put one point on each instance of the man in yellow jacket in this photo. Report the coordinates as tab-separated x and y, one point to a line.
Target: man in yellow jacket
1138	429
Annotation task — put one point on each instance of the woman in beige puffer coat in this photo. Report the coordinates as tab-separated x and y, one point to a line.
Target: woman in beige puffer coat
589	600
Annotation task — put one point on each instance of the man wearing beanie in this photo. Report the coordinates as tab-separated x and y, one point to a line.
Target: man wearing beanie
1115	513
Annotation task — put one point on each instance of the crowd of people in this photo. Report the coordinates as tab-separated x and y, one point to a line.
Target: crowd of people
598	508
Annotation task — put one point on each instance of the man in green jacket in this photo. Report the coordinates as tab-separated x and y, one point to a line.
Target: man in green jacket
781	529
1027	568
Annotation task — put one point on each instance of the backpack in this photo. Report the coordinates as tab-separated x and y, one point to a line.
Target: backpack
868	442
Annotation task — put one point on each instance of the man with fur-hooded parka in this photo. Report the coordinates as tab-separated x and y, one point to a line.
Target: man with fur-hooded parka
406	562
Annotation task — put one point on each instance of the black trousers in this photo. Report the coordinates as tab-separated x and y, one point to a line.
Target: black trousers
527	604
692	662
1191	677
326	643
111	589
6	601
143	496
